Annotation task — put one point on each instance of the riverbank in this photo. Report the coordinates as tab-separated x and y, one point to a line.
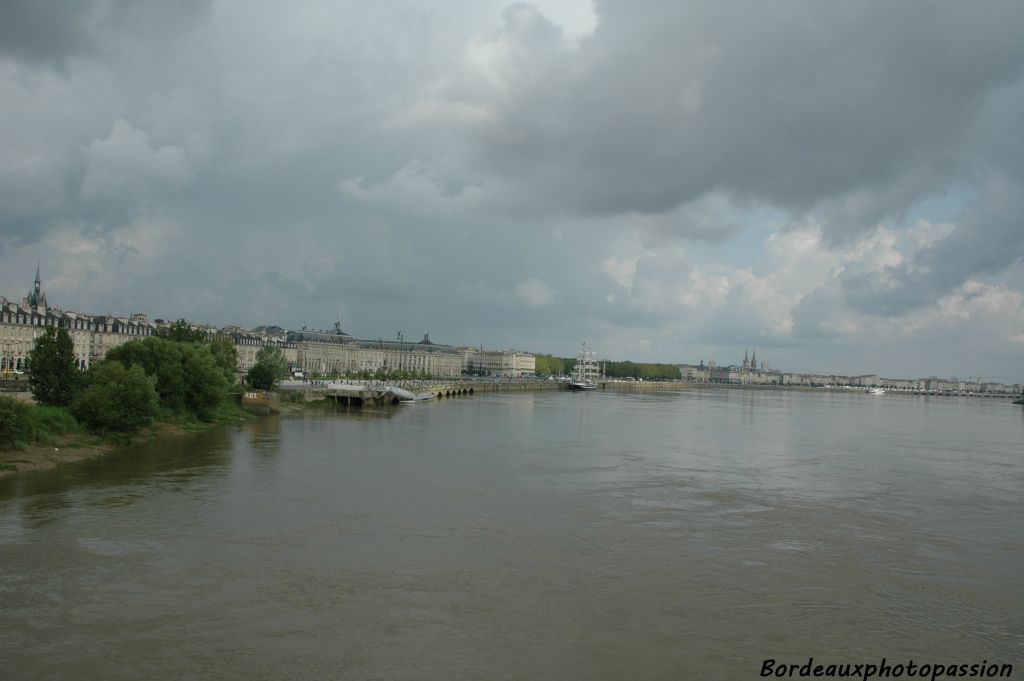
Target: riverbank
80	444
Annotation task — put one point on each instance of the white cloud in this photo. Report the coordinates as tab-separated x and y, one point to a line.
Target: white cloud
416	187
534	293
125	164
621	270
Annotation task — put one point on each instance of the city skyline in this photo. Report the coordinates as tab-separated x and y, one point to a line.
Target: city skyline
35	302
838	186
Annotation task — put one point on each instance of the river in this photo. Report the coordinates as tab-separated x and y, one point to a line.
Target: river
686	535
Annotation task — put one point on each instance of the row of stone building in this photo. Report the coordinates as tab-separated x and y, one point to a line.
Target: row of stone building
334	351
93	335
316	352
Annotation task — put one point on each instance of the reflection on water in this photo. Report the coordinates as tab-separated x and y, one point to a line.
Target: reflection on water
539	536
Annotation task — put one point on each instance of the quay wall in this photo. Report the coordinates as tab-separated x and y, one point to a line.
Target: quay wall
646	386
459	388
642	386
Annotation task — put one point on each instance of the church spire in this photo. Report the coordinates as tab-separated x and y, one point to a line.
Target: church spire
36	297
753	360
746	359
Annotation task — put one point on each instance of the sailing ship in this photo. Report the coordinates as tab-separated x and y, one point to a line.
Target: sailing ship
585	373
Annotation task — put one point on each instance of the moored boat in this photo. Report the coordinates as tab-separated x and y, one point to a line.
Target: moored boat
585	373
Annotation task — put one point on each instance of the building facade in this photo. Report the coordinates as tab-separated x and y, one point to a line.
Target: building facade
21	323
336	352
506	363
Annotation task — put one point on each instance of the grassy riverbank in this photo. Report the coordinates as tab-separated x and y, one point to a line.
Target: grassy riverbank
53	437
175	381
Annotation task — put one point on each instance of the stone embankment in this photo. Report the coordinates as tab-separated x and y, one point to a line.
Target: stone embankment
381	393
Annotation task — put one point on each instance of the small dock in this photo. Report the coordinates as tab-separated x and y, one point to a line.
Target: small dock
376	394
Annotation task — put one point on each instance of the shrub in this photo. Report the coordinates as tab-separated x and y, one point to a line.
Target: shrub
46	424
14	425
22	424
117	399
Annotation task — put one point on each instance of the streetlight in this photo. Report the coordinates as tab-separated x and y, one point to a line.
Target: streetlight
401	349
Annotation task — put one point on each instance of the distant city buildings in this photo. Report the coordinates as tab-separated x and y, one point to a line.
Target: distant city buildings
748	372
316	352
335	352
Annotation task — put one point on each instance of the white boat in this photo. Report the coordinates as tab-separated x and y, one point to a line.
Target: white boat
876	391
585	373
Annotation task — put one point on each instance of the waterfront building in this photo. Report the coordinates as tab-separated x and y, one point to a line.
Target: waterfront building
249	343
507	363
695	373
337	352
424	356
323	352
730	374
92	335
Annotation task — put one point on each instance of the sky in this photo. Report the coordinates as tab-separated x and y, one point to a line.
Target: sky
836	184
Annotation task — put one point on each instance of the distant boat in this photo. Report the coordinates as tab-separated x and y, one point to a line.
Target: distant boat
585	373
876	391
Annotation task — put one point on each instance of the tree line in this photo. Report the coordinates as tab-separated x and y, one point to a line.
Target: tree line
549	365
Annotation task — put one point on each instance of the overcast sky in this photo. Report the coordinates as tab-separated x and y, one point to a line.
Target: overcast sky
838	184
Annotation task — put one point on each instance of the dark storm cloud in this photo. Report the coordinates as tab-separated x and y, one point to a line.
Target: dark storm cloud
846	113
474	167
50	32
45	33
69	74
802	104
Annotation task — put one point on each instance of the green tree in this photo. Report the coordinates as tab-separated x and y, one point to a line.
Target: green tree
269	367
53	372
546	365
225	355
205	382
181	332
641	370
188	377
160	358
116	398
